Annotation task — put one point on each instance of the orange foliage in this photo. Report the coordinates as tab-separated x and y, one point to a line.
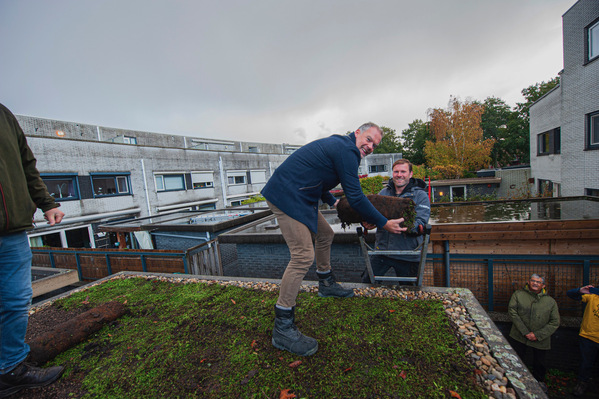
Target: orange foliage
459	145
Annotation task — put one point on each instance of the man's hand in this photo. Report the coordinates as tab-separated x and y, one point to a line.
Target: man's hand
531	336
53	216
393	226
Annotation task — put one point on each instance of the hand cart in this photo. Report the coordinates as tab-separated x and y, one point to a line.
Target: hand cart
421	250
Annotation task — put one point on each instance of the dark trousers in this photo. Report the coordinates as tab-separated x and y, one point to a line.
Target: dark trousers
539	368
588	354
382	264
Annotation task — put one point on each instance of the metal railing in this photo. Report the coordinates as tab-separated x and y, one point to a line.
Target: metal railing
494	277
202	259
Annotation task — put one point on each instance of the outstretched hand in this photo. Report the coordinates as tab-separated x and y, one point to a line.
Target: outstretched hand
53	216
393	226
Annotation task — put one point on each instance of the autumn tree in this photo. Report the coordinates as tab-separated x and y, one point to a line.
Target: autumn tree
390	143
413	139
458	144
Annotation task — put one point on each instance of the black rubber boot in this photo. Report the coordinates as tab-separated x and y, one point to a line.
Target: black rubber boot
328	287
27	376
286	336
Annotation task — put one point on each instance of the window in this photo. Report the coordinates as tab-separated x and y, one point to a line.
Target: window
457	193
257	176
545	188
377	168
593	192
62	186
202	179
104	184
549	142
170	182
236	177
592	139
593	41
252	149
129	140
77	237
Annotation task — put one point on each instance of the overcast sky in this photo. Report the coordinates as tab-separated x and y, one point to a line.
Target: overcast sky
269	71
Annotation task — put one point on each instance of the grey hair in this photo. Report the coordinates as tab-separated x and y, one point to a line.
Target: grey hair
537	276
368	125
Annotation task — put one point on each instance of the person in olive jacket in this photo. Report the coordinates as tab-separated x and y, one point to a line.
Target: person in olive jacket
535	317
22	191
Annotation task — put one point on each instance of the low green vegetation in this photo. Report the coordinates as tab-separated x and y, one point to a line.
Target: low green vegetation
255	198
372	185
213	341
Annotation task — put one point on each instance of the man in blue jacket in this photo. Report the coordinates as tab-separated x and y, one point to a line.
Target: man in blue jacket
293	194
403	185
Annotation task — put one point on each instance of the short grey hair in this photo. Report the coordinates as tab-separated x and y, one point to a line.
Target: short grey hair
537	276
368	125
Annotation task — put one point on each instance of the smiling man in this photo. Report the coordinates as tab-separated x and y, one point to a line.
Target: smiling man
293	194
535	318
404	185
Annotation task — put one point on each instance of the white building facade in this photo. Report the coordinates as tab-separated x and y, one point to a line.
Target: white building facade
564	124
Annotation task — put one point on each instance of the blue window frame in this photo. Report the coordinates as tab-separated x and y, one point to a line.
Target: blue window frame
111	184
62	186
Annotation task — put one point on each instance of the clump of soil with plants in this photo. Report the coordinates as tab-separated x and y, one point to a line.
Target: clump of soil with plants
208	340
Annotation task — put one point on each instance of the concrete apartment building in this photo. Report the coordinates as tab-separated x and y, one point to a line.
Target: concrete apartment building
101	174
564	124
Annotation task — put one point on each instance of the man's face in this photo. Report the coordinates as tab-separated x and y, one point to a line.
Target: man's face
367	140
536	285
401	175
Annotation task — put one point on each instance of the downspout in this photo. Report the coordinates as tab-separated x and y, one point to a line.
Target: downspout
98	130
143	171
222	181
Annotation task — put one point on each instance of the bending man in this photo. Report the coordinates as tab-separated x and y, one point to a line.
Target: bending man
293	194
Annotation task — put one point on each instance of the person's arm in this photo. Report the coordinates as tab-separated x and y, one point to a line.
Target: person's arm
35	185
516	319
329	198
346	166
576	293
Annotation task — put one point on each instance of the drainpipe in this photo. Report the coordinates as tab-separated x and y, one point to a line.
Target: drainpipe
143	171
98	130
222	181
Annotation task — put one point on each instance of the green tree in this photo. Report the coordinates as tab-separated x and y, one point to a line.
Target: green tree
501	124
389	144
413	140
519	127
532	94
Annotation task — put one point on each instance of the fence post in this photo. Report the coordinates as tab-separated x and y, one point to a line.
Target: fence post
52	263
586	272
79	267
108	267
490	282
185	264
446	262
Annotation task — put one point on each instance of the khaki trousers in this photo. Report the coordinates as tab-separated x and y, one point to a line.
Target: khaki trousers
303	252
